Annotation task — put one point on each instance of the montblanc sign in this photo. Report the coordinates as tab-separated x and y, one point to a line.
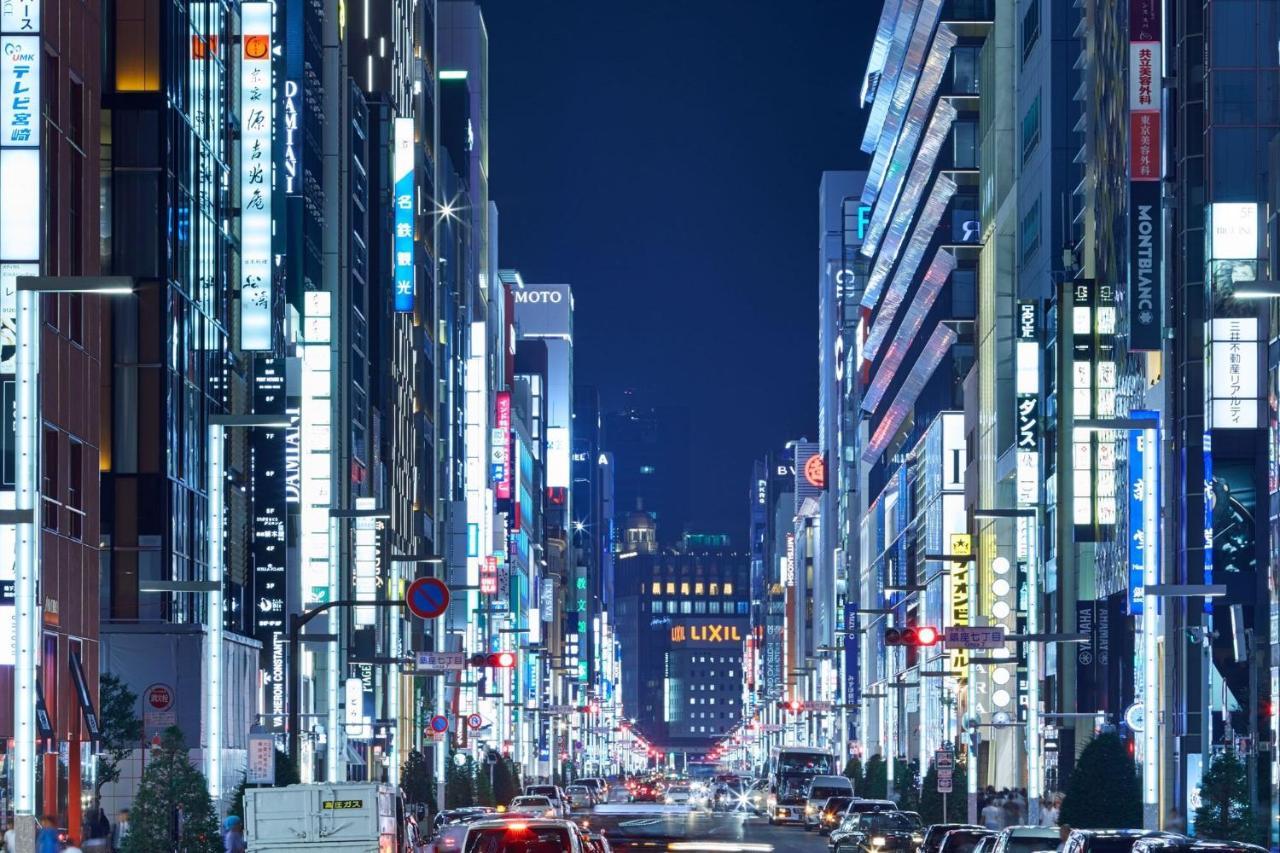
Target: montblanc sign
1146	248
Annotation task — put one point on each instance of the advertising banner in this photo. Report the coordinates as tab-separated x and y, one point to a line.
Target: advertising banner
1146	293
1146	249
255	176
403	174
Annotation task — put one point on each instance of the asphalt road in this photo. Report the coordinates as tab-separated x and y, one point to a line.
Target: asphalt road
725	829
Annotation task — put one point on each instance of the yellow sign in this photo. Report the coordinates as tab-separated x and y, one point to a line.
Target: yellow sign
705	634
335	805
961	545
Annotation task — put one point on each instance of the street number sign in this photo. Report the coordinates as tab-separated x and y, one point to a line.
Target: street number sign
427	598
974	638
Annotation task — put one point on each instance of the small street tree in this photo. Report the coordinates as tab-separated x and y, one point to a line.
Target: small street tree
286	774
906	784
1103	792
876	779
417	778
1224	813
121	730
459	782
172	811
853	770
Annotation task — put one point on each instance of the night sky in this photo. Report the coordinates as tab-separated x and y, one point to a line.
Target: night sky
663	158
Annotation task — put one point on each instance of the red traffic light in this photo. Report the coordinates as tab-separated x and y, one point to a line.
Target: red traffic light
497	660
924	635
794	706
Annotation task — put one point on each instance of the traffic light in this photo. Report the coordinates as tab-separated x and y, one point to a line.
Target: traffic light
923	635
497	660
791	706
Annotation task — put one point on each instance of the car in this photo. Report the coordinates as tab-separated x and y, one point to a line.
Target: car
861	804
1108	840
645	792
599	787
758	796
1027	839
580	796
1173	843
963	840
934	834
523	836
455	815
987	844
832	813
552	792
821	789
537	805
678	794
876	832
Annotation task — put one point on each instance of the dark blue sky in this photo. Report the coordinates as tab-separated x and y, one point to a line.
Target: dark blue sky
663	158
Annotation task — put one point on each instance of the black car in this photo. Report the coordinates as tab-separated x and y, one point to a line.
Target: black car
876	832
832	813
987	844
1171	843
934	834
1110	840
966	840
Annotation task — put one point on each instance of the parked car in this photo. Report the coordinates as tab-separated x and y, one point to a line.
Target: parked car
1171	843
875	832
552	792
580	796
535	805
1027	839
963	840
986	845
832	813
934	834
821	789
520	835
1108	840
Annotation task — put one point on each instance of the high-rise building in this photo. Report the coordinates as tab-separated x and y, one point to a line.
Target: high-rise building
654	458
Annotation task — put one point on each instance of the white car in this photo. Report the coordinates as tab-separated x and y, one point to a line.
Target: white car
532	834
678	794
535	805
580	797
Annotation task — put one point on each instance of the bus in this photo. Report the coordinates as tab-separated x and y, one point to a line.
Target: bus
791	768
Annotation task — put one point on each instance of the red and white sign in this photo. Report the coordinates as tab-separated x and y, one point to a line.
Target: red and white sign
489	576
159	697
1144	90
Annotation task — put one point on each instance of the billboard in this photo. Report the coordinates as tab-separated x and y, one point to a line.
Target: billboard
1235	373
1146	294
255	176
403	175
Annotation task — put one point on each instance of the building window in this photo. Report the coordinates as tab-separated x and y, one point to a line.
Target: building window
646	469
1030	28
699	607
49	479
684	588
964	70
744	608
75	490
656	589
713	607
728	588
1031	128
964	144
715	589
1030	237
671	588
686	607
699	588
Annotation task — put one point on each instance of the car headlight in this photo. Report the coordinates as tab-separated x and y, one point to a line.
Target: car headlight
917	837
809	809
877	841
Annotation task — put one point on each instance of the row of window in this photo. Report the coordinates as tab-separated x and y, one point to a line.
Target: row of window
708	687
741	608
698	588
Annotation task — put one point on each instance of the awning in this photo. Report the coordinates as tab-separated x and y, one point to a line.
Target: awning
86	701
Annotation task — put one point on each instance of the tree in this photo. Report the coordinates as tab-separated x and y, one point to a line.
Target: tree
853	770
484	784
172	811
931	801
876	778
906	784
459	788
1103	792
121	730
506	781
1224	811
286	774
417	778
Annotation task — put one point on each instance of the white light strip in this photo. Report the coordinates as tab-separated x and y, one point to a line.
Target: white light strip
943	189
912	65
889	74
213	665
930	357
944	115
937	275
26	568
1151	620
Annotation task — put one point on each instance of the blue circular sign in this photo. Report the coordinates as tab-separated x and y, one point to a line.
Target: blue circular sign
427	598
439	724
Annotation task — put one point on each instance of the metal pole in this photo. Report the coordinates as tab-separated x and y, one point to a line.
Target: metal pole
26	565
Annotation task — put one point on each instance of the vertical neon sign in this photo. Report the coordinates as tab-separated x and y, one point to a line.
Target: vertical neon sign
402	166
255	176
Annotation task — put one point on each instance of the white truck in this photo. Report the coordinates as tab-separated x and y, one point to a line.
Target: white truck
348	817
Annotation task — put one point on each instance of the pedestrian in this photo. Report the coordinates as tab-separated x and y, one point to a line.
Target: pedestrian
233	835
47	840
992	813
1049	814
1064	835
1173	821
10	841
97	834
121	830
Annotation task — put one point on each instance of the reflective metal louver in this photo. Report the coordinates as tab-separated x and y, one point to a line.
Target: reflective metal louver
930	357
943	189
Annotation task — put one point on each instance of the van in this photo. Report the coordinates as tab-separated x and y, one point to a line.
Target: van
821	789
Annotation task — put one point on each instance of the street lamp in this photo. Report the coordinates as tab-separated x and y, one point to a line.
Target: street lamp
27	426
